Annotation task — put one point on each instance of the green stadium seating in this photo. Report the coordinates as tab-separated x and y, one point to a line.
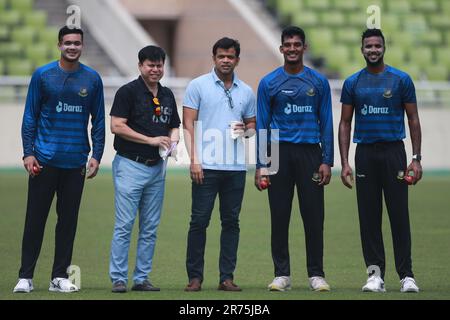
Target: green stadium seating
10	49
2	5
349	36
38	54
287	9
395	56
24	35
10	18
320	5
305	19
356	20
337	57
437	72
427	6
49	36
36	19
421	57
399	7
2	67
403	39
19	67
332	19
443	56
320	40
413	71
440	21
415	23
22	5
4	33
347	5
431	38
445	7
390	23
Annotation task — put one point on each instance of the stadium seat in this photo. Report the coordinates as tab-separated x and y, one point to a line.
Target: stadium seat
413	71
445	7
24	35
320	40
10	18
4	33
404	39
349	36
10	49
399	7
305	19
421	57
440	21
49	35
431	38
356	20
2	67
38	54
415	23
443	56
347	5
395	56
22	5
390	24
319	5
437	72
287	9
2	5
36	19
428	6
335	58
332	19
19	67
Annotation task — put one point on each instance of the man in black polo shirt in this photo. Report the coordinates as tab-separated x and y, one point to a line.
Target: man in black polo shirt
144	119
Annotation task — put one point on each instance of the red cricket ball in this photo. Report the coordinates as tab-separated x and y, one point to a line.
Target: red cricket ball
409	179
263	184
36	170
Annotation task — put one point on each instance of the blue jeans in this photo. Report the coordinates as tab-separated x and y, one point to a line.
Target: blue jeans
230	187
136	187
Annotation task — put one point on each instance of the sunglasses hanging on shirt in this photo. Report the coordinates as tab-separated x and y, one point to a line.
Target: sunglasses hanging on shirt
156	107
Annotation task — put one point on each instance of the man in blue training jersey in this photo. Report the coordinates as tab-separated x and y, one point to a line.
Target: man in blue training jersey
296	100
379	95
61	97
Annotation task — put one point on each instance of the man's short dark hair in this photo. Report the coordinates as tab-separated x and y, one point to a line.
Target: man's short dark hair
371	33
151	53
227	43
66	30
293	31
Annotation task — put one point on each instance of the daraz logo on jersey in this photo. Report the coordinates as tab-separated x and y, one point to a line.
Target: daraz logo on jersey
293	108
374	110
68	108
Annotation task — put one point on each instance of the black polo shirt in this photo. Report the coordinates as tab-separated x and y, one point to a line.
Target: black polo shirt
134	101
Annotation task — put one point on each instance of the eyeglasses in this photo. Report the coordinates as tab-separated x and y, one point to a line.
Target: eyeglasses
230	98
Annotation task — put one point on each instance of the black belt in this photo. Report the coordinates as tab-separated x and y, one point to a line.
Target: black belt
145	161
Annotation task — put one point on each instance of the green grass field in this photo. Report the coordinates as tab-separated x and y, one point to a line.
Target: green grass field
344	267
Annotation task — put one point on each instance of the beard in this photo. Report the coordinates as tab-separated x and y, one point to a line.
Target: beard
374	63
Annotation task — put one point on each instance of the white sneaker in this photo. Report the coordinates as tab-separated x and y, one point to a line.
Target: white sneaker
280	284
408	284
318	284
374	284
62	285
24	286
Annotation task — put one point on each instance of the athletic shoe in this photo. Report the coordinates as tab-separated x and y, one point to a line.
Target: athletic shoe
280	284
62	285
408	284
318	284
24	286
374	284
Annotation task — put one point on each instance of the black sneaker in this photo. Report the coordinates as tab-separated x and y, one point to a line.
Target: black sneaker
119	287
144	286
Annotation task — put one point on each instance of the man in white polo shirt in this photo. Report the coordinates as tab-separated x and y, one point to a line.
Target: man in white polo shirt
218	112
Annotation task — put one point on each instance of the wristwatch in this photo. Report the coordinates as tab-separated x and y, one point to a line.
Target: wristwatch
417	157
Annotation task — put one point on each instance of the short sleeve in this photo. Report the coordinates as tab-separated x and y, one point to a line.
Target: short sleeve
192	96
122	103
346	94
408	90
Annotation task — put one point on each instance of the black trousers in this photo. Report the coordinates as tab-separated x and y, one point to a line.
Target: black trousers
68	186
377	168
298	162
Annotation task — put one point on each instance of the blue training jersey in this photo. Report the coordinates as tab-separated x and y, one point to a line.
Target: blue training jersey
56	116
378	101
299	106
